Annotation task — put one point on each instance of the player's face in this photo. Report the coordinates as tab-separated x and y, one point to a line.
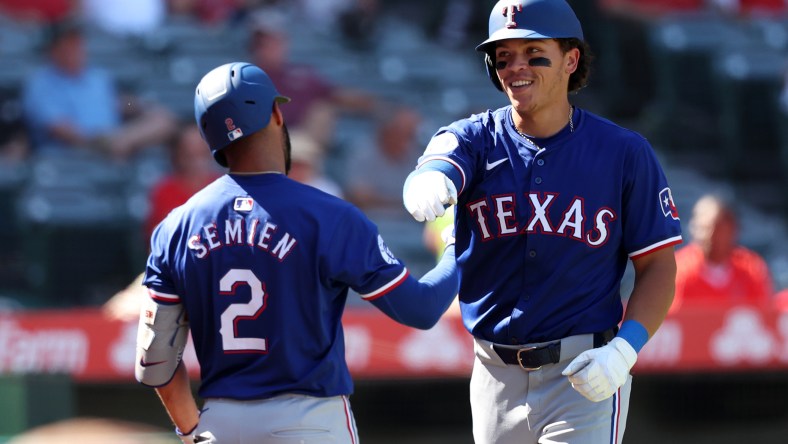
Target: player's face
534	73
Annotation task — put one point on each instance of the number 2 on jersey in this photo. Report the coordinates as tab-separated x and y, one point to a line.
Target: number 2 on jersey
231	343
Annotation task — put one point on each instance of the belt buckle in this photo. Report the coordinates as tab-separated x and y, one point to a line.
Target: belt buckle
520	359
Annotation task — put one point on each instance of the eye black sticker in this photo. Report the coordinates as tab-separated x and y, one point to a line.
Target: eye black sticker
540	61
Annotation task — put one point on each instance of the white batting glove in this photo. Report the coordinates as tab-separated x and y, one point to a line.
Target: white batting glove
192	438
426	193
599	372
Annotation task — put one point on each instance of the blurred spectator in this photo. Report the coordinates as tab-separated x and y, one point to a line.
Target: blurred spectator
38	10
68	104
125	17
714	270
315	101
306	166
192	168
214	12
781	301
377	168
751	8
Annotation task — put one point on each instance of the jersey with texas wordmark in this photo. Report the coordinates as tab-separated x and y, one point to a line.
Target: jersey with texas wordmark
262	265
541	214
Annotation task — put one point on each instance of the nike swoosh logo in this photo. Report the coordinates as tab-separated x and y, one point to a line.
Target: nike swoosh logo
148	364
496	163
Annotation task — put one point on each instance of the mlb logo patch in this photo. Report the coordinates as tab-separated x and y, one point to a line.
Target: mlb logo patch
243	204
234	134
666	202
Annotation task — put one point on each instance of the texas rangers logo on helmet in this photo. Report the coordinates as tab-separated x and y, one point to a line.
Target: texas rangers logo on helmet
668	207
509	11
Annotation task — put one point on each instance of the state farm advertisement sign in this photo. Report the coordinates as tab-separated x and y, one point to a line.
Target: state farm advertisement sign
91	347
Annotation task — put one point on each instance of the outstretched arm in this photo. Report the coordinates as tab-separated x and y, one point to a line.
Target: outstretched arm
421	303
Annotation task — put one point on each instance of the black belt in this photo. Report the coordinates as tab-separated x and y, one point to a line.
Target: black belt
533	358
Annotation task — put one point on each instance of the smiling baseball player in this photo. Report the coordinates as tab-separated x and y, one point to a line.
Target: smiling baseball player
552	202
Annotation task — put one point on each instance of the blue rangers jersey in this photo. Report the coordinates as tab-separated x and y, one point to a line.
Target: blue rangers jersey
262	265
545	227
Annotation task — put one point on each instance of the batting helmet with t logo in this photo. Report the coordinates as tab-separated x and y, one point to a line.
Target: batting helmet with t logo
527	19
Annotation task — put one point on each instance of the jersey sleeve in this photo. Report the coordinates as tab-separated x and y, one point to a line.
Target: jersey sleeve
651	220
451	151
359	258
158	277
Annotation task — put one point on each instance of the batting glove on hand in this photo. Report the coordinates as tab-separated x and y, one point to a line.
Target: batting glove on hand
426	194
599	372
192	438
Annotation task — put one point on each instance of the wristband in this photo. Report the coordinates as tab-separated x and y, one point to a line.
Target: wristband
634	333
179	433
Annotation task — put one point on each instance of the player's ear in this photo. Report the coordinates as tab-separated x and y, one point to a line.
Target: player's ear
276	115
572	60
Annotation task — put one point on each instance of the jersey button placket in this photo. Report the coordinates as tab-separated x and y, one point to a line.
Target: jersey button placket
538	179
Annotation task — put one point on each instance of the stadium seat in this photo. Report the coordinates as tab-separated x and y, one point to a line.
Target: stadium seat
75	230
748	84
683	49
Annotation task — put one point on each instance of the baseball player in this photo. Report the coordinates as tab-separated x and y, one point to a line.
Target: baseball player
258	267
552	202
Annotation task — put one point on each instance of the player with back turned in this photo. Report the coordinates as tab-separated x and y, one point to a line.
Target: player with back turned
552	202
258	267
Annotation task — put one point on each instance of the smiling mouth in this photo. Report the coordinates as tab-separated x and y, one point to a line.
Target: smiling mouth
521	83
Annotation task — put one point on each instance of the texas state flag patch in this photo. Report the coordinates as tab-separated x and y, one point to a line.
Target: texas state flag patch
668	207
243	204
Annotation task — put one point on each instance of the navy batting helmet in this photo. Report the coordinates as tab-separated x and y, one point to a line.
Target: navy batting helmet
528	19
233	101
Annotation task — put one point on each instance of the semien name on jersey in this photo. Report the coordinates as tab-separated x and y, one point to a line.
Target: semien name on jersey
242	232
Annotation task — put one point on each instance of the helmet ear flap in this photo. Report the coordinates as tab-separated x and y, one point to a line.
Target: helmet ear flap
489	63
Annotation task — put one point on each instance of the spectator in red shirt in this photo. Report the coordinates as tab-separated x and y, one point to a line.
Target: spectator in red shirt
38	10
192	169
714	269
781	301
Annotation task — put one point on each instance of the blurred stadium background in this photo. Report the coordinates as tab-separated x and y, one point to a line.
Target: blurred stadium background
704	88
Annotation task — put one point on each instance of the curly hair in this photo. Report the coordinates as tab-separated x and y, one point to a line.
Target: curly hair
579	79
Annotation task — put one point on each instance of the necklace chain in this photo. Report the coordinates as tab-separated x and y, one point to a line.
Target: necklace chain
571	123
